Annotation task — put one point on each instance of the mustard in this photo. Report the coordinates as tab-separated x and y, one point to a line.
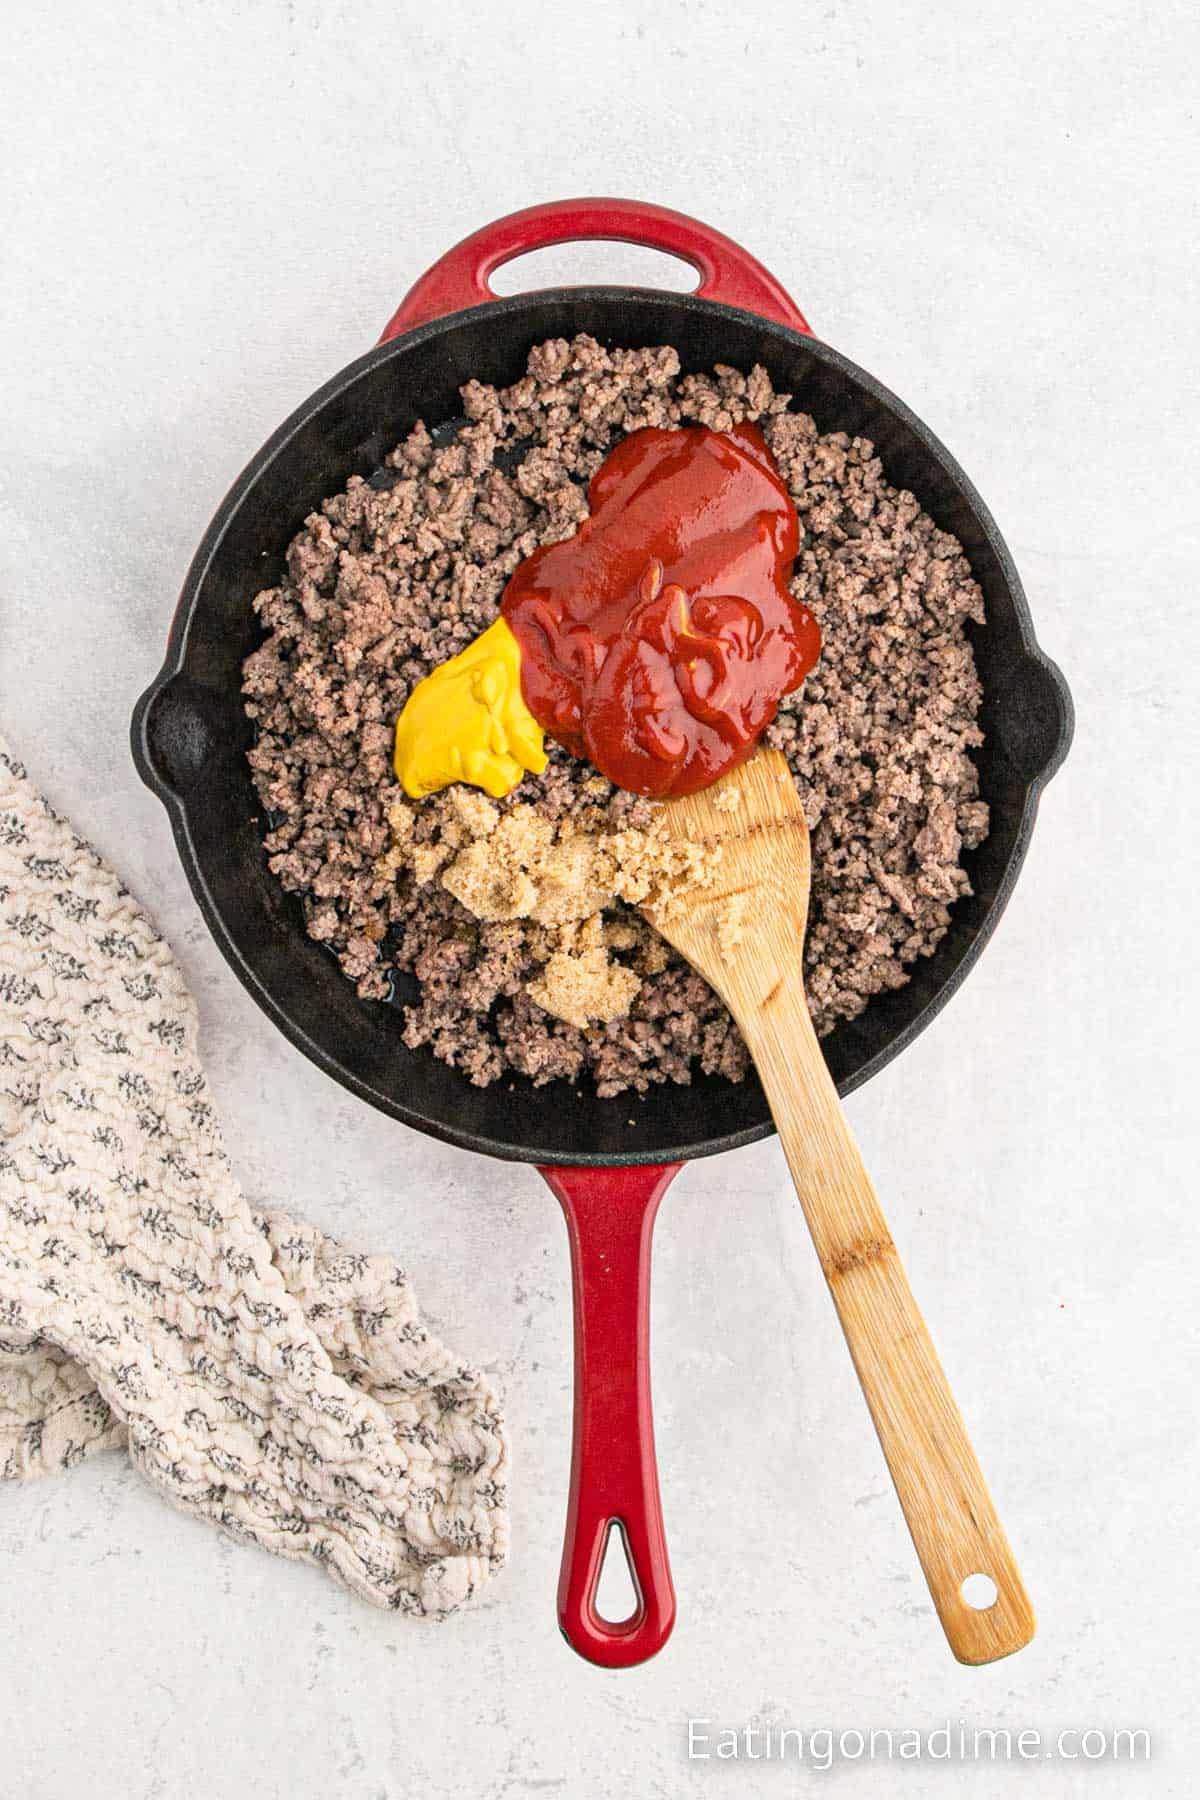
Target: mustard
468	721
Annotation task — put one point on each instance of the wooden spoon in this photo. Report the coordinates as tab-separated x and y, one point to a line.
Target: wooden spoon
745	935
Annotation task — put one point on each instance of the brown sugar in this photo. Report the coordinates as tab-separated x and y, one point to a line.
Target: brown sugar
732	917
581	983
560	875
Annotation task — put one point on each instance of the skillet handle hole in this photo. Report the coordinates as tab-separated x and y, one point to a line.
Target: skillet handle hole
617	1600
595	263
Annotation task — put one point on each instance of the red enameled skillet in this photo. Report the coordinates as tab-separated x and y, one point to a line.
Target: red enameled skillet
190	737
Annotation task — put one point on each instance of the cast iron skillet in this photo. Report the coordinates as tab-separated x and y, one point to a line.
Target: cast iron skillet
190	737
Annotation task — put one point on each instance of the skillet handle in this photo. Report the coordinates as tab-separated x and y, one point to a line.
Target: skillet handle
727	272
614	1481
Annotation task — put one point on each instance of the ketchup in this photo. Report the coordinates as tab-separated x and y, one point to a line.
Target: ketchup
659	639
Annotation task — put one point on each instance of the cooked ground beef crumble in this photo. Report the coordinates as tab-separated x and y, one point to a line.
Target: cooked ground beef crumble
401	571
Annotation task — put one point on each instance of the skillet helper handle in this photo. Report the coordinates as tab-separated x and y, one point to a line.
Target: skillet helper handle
727	272
950	1513
614	1482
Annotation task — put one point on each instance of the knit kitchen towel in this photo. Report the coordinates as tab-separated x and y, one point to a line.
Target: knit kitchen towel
257	1373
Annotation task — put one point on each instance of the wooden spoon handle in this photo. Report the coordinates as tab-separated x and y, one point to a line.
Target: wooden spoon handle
945	1500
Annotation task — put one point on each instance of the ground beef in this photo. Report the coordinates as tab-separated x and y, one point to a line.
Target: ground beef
401	571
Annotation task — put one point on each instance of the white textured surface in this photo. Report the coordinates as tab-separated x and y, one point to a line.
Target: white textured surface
205	211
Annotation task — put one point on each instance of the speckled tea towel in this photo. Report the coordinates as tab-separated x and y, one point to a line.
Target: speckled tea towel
258	1374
